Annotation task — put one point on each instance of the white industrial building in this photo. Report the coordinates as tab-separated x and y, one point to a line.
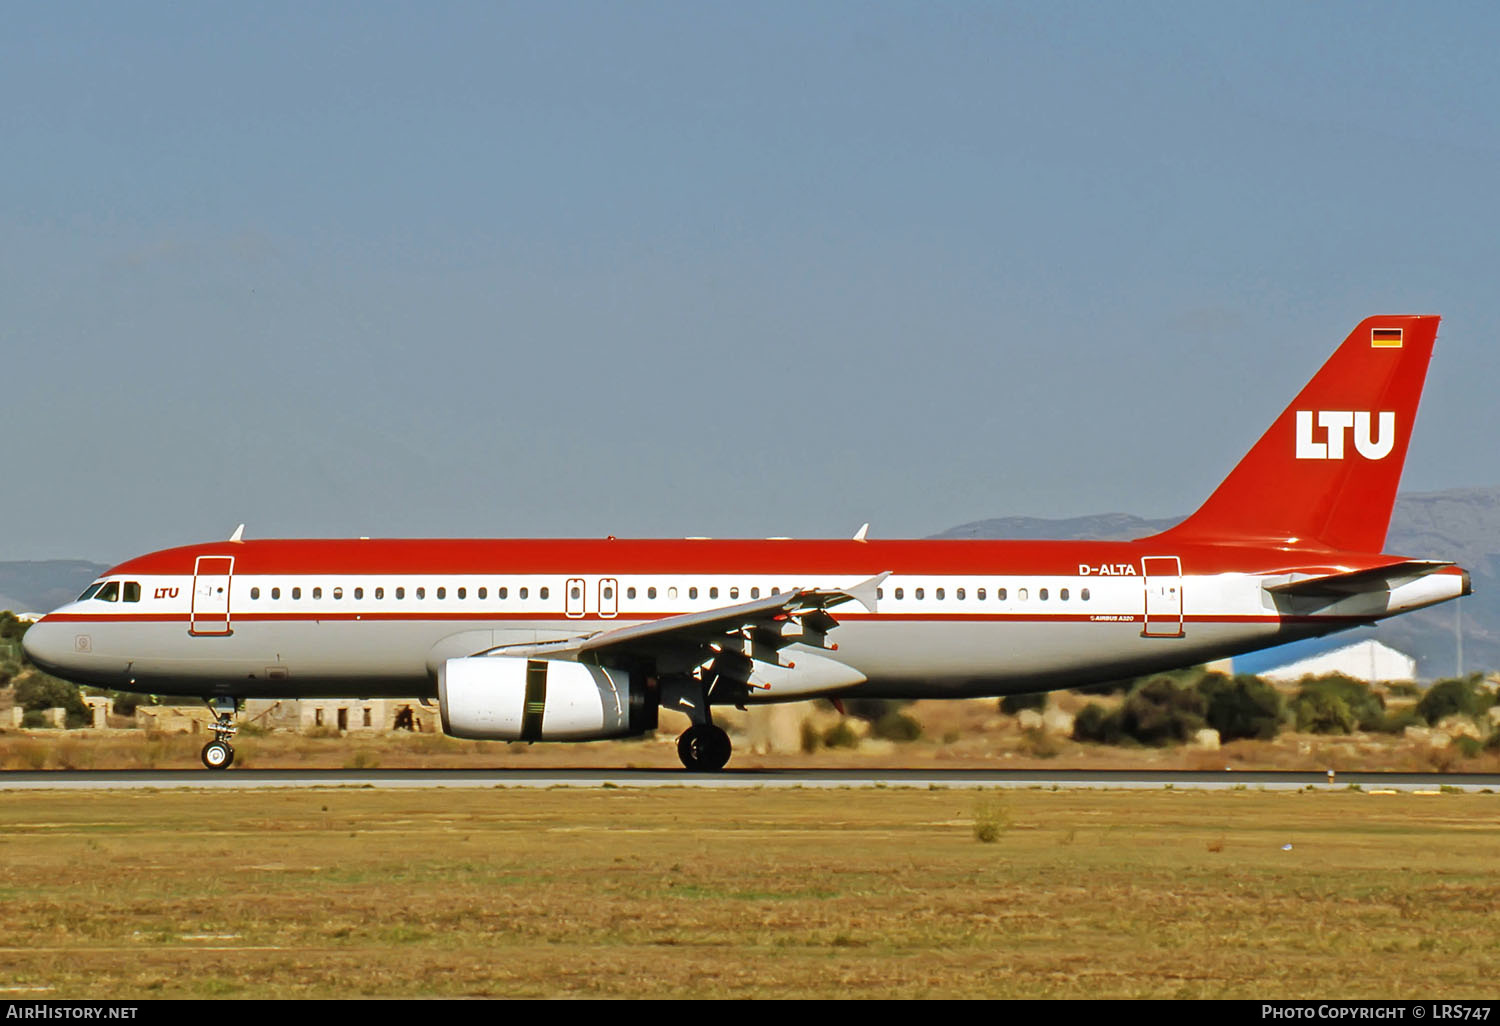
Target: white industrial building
1368	660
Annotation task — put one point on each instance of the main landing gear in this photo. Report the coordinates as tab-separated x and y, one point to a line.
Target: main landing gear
703	747
218	754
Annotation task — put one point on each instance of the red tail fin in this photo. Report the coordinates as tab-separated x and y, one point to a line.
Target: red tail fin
1326	472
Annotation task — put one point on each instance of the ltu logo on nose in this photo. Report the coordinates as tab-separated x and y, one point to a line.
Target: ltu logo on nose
1336	424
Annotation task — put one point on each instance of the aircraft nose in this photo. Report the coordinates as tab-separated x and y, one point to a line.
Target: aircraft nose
45	644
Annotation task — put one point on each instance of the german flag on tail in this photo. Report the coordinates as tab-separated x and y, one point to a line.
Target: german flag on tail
1385	338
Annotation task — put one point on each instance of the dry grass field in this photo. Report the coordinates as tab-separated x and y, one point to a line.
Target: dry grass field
690	893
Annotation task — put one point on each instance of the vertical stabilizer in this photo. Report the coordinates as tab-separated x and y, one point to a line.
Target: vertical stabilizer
1325	474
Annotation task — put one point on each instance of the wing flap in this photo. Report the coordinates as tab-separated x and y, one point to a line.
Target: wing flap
757	630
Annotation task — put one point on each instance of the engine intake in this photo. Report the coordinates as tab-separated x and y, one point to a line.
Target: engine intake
502	698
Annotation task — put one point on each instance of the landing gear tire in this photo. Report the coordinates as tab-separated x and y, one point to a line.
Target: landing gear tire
704	747
218	755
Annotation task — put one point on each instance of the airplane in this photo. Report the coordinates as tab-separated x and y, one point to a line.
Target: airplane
578	640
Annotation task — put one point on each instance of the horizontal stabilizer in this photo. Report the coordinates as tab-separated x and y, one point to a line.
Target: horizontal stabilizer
1355	582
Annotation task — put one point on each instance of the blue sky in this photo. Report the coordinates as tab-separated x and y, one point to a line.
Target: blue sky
711	268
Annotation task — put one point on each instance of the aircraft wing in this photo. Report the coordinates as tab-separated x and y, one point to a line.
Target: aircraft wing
728	638
1354	582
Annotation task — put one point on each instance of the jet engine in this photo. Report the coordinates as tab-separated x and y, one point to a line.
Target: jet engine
506	698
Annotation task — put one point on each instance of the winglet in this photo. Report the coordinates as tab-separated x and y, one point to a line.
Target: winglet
860	534
239	534
866	592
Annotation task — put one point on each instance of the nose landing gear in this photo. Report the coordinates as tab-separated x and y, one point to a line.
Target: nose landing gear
218	754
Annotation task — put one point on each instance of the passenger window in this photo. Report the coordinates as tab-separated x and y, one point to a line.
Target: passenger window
940	594
1063	594
463	592
317	593
504	593
484	593
255	593
401	593
421	593
671	593
380	593
544	592
755	593
276	593
575	592
132	591
651	593
734	593
880	593
109	593
296	593
338	593
1000	594
921	593
630	592
713	592
900	593
775	591
1084	594
524	592
1021	594
979	594
959	594
442	593
609	592
692	593
1042	594
359	593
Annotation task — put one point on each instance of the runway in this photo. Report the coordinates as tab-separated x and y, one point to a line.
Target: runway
1418	783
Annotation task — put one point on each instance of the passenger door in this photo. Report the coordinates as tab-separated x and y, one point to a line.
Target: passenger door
1163	577
212	577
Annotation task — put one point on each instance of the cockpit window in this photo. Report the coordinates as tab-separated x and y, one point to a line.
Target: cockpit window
132	591
92	589
109	593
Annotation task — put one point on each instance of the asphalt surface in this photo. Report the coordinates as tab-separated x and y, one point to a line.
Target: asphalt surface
779	778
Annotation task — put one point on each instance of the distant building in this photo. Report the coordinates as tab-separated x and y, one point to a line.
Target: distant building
1369	660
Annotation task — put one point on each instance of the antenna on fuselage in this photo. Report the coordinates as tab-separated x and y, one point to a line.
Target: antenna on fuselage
239	534
860	534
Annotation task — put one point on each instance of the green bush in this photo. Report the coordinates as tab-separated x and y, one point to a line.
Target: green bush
1159	712
841	735
872	709
1245	707
1396	721
810	738
1452	697
1468	746
1012	704
125	703
37	691
1322	712
11	629
1366	709
897	726
1096	724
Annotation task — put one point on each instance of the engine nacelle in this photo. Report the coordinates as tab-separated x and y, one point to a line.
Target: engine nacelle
502	698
